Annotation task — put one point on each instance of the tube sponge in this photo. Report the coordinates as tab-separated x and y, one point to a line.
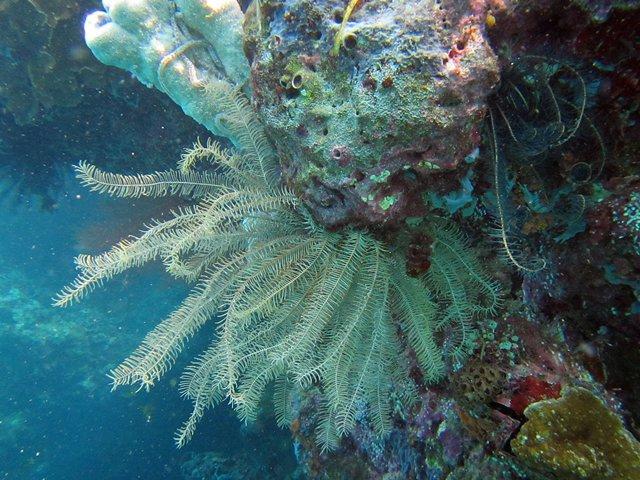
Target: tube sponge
133	35
177	48
220	23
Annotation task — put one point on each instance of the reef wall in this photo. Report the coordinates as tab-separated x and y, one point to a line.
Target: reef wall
516	115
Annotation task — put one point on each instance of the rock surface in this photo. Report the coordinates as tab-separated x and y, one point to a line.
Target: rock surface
370	107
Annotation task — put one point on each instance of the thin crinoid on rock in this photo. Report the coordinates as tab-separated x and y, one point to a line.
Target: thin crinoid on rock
538	113
300	305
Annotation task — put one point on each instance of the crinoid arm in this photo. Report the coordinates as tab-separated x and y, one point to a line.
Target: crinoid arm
159	184
298	306
510	250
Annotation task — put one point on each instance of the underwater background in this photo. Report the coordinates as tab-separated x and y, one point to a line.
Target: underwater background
568	332
58	417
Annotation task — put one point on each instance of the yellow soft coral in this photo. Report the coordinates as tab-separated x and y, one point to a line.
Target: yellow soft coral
577	437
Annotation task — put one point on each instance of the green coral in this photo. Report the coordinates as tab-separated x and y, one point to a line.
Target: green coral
381	177
577	437
299	305
387	202
631	215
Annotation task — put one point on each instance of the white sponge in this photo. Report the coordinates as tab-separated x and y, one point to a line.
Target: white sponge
210	18
176	47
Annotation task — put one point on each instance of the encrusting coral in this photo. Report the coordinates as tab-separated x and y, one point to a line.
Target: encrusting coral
361	130
577	437
300	304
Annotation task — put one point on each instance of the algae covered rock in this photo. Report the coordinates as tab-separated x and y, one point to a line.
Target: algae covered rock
369	102
577	437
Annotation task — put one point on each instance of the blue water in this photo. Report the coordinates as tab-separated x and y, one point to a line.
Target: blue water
58	418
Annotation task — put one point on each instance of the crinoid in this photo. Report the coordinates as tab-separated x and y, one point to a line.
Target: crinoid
299	305
538	114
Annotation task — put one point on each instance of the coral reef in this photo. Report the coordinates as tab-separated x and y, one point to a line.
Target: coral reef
301	304
321	235
350	127
589	233
577	437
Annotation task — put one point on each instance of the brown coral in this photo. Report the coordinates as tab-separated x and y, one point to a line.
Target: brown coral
577	437
478	383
